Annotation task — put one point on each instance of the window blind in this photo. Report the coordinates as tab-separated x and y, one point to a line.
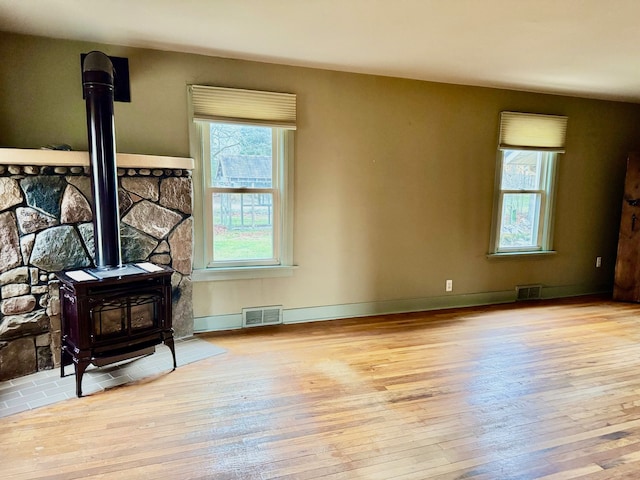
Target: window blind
530	131
231	105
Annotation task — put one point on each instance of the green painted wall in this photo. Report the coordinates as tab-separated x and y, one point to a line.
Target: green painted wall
393	177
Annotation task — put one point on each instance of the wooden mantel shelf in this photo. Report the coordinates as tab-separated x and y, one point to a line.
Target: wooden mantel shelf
64	158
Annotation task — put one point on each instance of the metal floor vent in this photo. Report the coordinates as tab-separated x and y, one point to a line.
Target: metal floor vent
528	292
254	317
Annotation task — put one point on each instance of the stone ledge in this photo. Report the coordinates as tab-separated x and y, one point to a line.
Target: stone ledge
10	170
63	158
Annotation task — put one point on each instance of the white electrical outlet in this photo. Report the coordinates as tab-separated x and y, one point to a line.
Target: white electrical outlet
598	262
448	286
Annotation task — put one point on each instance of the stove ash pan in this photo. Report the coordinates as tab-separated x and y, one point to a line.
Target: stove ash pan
112	319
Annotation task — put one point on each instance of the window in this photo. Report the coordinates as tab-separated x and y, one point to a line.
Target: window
523	209
242	143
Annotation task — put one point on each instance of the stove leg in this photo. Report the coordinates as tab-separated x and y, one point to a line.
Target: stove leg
65	359
169	343
81	366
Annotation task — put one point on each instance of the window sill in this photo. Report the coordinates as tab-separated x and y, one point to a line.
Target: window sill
241	273
538	253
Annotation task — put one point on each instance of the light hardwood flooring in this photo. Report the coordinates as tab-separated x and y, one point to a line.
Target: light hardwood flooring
47	387
531	390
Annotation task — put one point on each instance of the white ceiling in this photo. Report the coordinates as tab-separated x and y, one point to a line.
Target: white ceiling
587	48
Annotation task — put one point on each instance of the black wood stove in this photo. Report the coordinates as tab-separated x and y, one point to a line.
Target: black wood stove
113	311
112	319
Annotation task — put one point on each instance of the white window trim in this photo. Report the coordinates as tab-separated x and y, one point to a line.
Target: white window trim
242	273
536	132
278	139
201	271
547	196
532	254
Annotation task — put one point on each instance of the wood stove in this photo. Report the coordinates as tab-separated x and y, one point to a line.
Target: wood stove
113	311
111	319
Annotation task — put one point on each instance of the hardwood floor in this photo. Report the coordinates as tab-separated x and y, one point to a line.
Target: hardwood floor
533	390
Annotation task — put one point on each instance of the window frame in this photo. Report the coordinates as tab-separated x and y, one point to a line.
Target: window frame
544	135
283	163
277	136
545	209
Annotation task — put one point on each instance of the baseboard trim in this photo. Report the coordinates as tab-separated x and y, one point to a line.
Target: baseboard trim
215	323
549	293
333	312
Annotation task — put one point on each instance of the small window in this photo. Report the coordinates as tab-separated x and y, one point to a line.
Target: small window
242	194
525	175
242	143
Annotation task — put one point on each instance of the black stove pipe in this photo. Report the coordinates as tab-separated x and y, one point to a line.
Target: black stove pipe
98	86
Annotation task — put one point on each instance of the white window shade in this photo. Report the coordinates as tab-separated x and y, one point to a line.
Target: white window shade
231	105
528	131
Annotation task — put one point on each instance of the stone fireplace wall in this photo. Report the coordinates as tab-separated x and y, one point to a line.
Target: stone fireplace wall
45	227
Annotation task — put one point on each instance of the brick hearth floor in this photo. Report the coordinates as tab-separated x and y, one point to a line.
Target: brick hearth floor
46	387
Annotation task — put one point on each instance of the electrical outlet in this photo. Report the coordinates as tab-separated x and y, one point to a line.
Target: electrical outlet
598	262
448	286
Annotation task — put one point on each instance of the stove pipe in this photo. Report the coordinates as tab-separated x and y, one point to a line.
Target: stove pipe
98	86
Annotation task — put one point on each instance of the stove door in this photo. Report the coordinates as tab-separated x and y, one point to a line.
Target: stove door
124	316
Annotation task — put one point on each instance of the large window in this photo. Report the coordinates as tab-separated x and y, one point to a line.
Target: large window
525	175
243	145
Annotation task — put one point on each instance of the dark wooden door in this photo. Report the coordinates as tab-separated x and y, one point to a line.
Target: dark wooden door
627	278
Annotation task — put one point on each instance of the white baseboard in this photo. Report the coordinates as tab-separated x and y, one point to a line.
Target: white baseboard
215	323
332	312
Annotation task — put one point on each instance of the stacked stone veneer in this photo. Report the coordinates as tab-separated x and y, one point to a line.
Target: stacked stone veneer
46	226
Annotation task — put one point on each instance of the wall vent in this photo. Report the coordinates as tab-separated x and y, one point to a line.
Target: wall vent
254	317
528	292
